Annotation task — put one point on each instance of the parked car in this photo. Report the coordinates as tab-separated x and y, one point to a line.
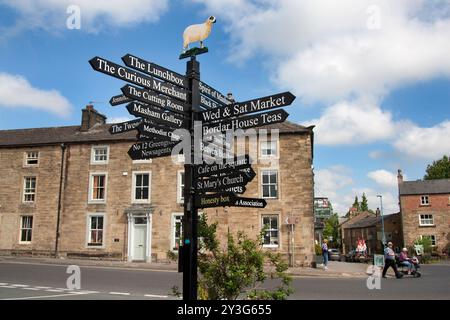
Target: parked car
353	256
334	255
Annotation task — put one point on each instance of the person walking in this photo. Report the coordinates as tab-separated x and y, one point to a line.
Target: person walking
389	261
325	254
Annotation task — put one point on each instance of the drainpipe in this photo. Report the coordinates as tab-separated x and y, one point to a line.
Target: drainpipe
58	218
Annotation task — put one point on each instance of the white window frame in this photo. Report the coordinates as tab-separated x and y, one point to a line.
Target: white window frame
431	236
88	229
94	148
422	200
24	193
91	185
26	158
22	228
262	216
172	238
275	155
277	184
180	193
422	219
133	191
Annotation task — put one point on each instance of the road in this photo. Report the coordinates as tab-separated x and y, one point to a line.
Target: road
32	281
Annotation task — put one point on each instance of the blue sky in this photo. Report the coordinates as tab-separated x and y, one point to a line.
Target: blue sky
373	76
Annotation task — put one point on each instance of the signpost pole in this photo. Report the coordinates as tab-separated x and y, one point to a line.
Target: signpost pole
190	221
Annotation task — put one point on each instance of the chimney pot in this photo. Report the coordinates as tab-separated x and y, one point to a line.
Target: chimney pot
90	117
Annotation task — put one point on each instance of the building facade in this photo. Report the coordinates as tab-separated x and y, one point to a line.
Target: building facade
74	191
425	211
370	229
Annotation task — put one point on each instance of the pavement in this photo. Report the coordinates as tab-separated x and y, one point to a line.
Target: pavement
33	279
335	269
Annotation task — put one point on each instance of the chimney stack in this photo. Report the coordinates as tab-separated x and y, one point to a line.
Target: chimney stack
90	117
399	177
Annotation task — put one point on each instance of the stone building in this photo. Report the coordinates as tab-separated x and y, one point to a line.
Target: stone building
79	182
425	211
369	228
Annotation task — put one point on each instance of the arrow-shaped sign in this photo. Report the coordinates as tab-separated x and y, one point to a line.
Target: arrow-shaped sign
124	126
126	74
204	170
237	189
155	70
135	93
208	103
227	199
213	184
257	120
213	94
157	115
161	132
119	99
249	203
250	106
151	149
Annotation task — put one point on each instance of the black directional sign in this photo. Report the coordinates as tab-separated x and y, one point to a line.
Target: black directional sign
250	106
237	189
215	150
221	183
135	93
251	174
119	99
155	70
213	94
205	170
151	149
252	121
227	199
249	202
161	132
157	115
126	74
208	103
124	126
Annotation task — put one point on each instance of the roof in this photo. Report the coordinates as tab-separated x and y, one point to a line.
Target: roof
98	133
369	221
438	186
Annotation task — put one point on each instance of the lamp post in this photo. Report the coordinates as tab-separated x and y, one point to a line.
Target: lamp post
383	237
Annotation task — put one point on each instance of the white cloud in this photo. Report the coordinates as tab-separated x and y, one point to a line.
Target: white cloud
426	143
95	15
353	123
384	178
17	92
323	50
331	183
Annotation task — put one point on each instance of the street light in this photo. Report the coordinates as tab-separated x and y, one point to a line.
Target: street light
383	237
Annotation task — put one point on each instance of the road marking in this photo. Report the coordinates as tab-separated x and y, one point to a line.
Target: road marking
42	288
20	285
3	284
54	290
40	297
120	293
155	296
9	287
34	289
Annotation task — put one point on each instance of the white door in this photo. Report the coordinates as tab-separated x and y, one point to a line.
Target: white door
140	234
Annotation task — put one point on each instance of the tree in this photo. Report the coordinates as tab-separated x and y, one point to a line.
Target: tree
356	203
439	169
331	229
364	205
237	270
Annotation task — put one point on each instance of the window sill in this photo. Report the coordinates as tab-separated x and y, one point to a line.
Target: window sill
270	246
97	202
98	163
141	202
95	246
427	226
25	242
425	205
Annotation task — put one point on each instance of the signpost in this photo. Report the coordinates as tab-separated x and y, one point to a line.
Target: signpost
258	120
157	115
119	99
164	101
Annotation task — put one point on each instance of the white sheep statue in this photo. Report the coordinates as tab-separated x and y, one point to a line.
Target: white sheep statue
197	32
